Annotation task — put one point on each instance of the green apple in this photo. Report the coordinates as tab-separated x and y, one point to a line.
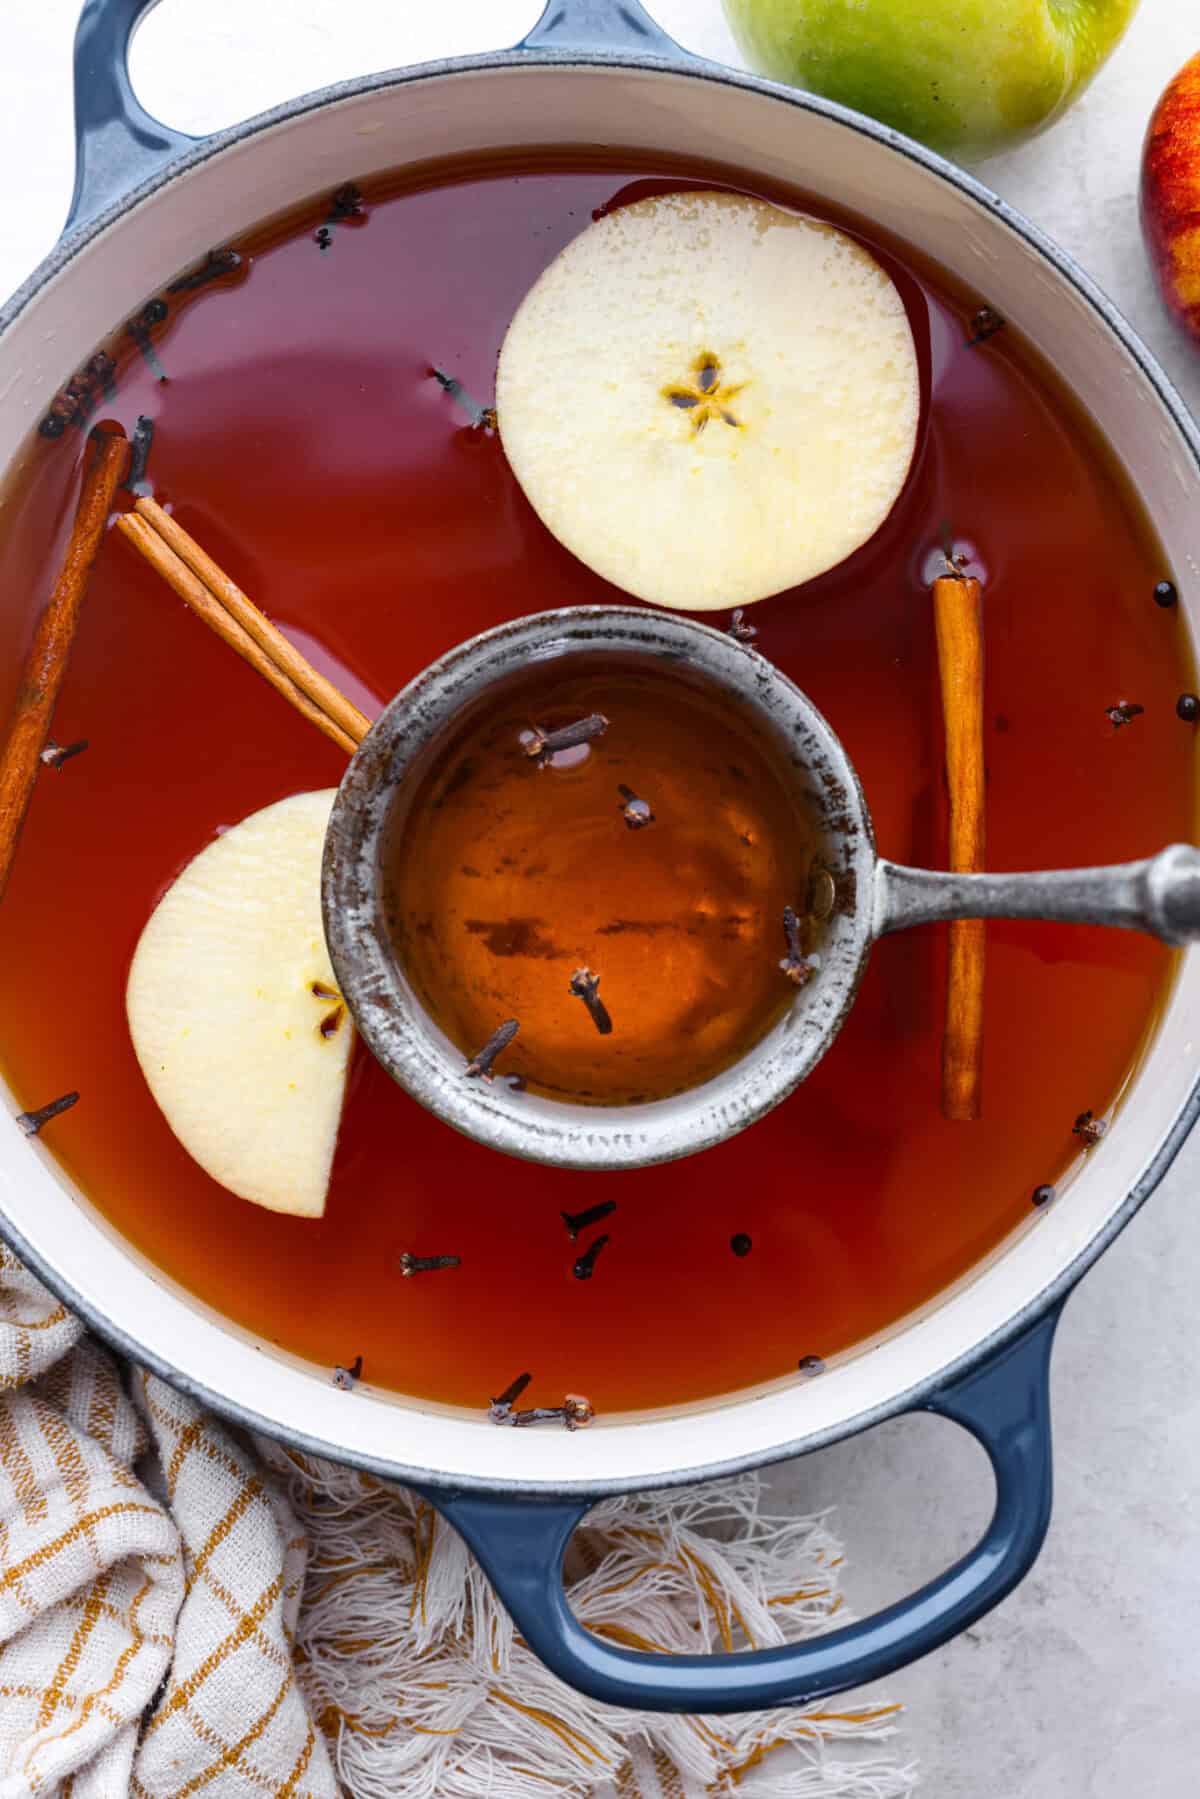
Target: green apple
966	76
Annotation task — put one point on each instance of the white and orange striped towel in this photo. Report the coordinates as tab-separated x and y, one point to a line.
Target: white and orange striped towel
183	1612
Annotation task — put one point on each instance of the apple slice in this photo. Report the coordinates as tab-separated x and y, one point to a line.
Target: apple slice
708	399
235	1015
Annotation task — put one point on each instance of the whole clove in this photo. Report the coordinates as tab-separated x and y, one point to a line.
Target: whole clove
55	754
585	986
738	629
215	264
153	313
585	1265
101	369
77	401
140	440
578	1412
636	812
582	1221
32	1122
481	1066
795	965
410	1264
1121	714
501	1409
575	1412
347	202
986	322
1089	1129
348	1378
541	745
480	417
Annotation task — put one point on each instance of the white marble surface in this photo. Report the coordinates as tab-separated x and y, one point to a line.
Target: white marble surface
1086	1683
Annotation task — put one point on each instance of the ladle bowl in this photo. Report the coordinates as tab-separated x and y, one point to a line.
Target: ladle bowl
872	896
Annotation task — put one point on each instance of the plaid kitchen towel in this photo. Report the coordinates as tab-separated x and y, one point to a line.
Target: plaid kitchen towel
183	1612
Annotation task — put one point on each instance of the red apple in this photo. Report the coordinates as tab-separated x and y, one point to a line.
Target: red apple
1171	196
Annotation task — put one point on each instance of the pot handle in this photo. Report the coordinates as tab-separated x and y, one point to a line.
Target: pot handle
600	25
117	142
521	1540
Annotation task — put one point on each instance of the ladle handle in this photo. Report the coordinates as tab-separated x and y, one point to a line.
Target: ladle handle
1160	896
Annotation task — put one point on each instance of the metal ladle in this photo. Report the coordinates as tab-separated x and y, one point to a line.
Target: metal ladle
871	897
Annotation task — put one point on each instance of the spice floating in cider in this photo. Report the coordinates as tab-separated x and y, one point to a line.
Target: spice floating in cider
576	1412
580	1221
958	627
410	1264
348	1378
543	746
586	986
56	754
636	811
584	1265
480	1065
1089	1129
795	965
46	659
33	1122
640	963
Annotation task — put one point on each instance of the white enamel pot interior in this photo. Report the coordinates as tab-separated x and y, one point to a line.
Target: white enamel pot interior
106	272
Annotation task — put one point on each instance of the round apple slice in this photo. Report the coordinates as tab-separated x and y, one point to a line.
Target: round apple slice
708	399
234	1013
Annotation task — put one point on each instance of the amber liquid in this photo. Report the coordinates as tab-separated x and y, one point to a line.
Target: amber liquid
514	872
302	441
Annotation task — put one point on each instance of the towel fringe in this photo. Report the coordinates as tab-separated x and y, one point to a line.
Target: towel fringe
424	1690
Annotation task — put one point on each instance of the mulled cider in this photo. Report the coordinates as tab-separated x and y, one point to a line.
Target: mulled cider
300	434
603	852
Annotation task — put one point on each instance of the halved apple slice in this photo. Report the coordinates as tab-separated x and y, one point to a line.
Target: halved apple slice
709	399
234	1013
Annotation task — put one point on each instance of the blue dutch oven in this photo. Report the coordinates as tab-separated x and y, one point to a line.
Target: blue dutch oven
148	203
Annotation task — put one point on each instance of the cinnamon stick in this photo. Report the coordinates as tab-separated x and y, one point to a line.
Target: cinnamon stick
191	589
46	663
958	615
255	623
